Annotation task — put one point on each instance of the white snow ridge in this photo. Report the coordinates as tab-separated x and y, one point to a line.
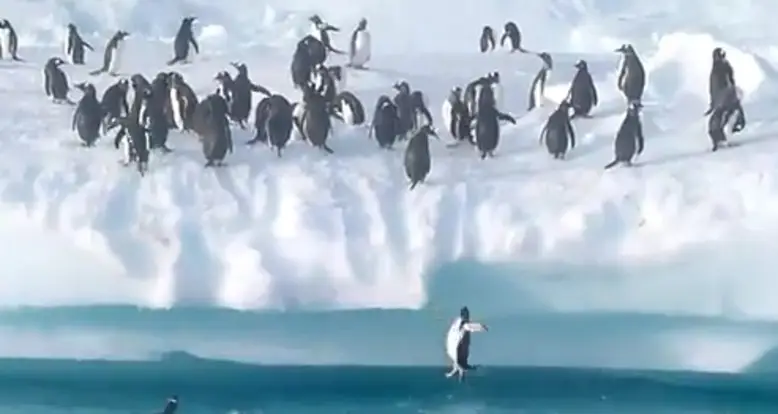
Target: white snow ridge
685	231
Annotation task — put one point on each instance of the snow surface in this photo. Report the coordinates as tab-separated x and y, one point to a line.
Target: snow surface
687	232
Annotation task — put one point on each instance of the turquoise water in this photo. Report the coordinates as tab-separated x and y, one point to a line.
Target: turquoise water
206	386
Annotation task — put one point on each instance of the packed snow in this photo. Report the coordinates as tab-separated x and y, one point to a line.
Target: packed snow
680	232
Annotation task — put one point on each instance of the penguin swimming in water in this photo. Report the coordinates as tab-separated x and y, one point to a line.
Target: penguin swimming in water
487	123
134	138
458	343
55	82
347	107
88	115
184	38
320	30
359	47
582	95
512	33
113	55
629	140
386	123
487	42
558	132
632	75
182	100
315	123
171	405
114	103
75	46
456	117
726	104
417	159
721	77
9	41
538	87
211	124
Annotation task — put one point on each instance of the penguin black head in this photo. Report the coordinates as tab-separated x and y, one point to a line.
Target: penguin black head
402	87
719	54
547	60
582	65
464	313
71	27
240	67
510	27
188	20
315	19
362	24
56	62
428	130
494	77
626	48
138	81
84	87
222	76
456	91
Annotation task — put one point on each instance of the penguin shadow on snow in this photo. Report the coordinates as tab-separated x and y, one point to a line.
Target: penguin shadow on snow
685	156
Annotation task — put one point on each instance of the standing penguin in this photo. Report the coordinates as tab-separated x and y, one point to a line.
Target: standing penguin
386	123
726	104
133	137
155	121
211	124
421	115
261	113
512	33
320	30
721	77
487	42
405	109
417	156
184	38
241	93
632	76
55	82
473	91
182	102
88	115
456	117
359	48
629	140
487	123
558	132
458	343
582	94
113	56
302	63
9	41
114	102
75	46
538	88
278	123
348	108
315	123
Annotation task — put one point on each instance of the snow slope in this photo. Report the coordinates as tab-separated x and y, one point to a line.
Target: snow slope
680	234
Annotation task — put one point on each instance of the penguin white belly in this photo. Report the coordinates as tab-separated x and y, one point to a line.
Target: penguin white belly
175	105
126	149
453	338
622	62
361	48
340	84
5	43
445	112
348	114
297	114
142	115
117	55
314	31
497	90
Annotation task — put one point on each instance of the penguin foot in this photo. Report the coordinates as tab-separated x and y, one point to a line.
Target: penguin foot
165	149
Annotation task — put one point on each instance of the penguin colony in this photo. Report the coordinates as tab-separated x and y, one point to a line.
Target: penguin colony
472	114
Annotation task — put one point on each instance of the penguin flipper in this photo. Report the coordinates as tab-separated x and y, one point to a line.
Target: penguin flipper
88	46
194	44
611	164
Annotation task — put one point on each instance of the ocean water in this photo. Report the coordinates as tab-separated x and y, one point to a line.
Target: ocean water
203	386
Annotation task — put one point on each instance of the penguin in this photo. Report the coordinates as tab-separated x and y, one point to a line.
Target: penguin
487	123
211	124
182	101
224	89
317	51
348	109
405	110
88	115
320	30
139	87
473	91
241	89
184	38
538	86
511	32
278	122
261	113
134	138
171	405
487	43
324	84
386	123
629	139
726	104
9	41
338	76
359	47
155	121
113	55
558	132
315	123
298	112
632	75
456	117
114	103
417	155
421	115
582	95
458	343
55	82
721	75
160	96
302	64
75	46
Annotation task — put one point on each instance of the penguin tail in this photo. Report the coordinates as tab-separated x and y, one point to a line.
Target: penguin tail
174	61
611	164
97	72
17	59
327	149
413	185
